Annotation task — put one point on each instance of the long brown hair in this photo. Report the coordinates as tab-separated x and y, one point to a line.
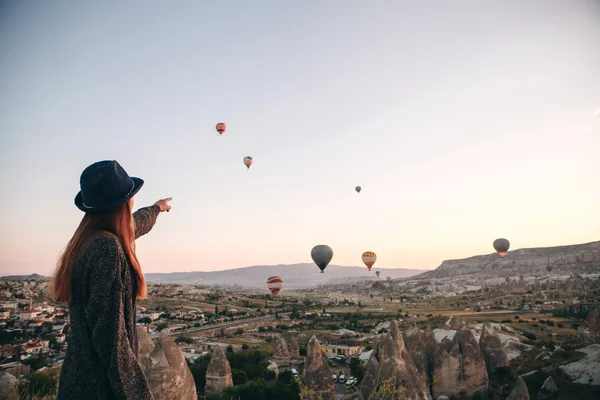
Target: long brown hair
119	223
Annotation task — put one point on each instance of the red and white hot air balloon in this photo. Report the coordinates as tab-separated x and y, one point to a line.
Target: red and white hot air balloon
274	283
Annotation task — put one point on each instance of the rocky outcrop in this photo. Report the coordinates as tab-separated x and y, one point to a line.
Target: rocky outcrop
415	345
491	348
549	390
9	386
293	347
165	367
390	373
520	391
459	366
281	353
218	373
316	382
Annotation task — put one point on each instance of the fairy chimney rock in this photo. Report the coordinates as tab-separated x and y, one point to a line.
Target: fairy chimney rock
316	382
281	353
218	373
549	390
459	366
390	369
594	321
415	345
520	391
164	365
293	347
491	348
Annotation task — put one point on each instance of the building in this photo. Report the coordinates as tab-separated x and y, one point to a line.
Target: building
30	313
333	350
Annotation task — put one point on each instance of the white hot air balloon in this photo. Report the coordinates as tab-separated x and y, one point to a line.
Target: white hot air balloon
248	161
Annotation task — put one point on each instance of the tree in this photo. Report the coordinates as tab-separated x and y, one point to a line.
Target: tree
245	346
229	349
216	310
161	326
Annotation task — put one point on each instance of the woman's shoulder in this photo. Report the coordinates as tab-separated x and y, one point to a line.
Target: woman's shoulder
102	245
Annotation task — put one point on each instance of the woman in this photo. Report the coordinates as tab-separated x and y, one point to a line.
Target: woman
100	277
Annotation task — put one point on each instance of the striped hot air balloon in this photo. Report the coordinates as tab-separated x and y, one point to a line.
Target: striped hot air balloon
274	283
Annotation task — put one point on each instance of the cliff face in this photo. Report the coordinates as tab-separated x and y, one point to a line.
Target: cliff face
316	382
571	259
459	366
165	367
390	373
491	348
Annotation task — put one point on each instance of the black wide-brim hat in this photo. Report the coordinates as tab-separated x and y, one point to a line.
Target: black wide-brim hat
105	186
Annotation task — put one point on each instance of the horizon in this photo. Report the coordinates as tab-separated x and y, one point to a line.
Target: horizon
462	123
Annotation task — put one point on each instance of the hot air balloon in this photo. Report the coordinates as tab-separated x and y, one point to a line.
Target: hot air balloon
508	279
248	161
321	255
221	128
358	189
274	283
377	273
369	259
501	246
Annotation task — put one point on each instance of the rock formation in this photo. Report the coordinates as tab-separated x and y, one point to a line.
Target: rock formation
549	390
165	367
316	382
415	345
390	373
274	368
281	353
459	366
293	347
218	373
520	391
491	348
9	386
594	320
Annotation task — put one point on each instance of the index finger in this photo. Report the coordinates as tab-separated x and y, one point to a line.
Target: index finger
168	199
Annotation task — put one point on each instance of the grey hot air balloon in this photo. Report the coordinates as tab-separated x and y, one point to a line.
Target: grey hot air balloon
321	255
358	189
501	246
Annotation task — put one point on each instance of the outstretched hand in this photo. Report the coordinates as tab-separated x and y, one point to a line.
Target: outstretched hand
164	204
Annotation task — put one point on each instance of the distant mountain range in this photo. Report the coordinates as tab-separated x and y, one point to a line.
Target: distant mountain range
578	258
294	275
32	277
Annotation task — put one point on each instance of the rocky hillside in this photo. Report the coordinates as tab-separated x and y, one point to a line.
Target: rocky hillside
581	258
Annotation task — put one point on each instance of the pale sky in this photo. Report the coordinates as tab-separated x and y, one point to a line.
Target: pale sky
463	122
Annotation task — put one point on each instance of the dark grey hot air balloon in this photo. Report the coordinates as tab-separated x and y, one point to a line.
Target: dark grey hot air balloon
501	246
358	189
321	255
